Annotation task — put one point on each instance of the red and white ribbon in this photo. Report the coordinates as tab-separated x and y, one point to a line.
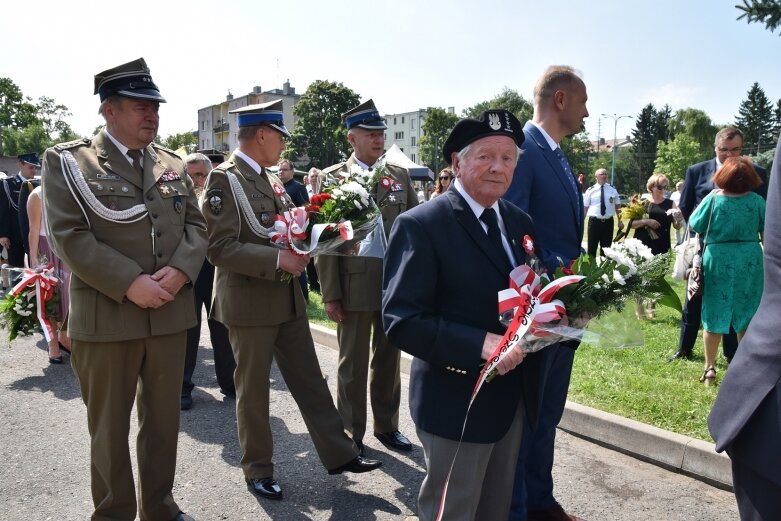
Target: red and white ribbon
294	224
44	282
533	305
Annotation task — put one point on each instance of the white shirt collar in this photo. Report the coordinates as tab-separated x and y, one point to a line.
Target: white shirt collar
363	165
251	162
122	148
476	207
551	143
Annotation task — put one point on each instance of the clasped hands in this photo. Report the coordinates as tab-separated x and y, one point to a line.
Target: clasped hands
152	291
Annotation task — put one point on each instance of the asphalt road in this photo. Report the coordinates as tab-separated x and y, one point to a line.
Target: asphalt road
44	460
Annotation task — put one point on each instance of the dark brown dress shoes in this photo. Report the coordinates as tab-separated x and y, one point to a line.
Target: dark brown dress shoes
265	487
554	513
357	465
394	440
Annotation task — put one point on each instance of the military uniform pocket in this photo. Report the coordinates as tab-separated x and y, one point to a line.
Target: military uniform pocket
115	194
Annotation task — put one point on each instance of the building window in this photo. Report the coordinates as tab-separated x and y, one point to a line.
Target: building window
394	121
413	158
399	136
402	120
412	123
412	141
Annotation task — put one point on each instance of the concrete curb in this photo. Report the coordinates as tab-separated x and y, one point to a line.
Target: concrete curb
672	451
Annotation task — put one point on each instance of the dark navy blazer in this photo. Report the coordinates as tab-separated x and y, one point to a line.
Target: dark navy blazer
534	190
441	279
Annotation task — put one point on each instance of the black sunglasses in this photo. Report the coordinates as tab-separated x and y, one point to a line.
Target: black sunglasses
443	177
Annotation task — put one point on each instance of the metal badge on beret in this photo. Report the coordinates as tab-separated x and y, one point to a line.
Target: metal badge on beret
214	196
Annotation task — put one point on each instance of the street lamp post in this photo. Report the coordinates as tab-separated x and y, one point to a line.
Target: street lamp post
615	118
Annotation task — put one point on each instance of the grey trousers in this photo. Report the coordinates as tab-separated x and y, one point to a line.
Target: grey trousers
481	483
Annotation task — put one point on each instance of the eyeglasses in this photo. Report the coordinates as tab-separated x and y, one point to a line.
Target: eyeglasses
734	150
445	178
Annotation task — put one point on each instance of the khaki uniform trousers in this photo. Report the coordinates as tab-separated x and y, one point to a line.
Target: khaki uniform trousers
290	343
354	334
481	484
112	375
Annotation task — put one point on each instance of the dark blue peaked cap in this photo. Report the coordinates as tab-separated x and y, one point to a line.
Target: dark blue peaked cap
131	79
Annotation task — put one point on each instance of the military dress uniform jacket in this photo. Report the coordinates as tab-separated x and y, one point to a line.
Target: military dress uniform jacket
9	218
105	256
248	289
357	281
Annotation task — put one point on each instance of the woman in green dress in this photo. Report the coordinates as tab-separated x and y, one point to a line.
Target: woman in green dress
730	220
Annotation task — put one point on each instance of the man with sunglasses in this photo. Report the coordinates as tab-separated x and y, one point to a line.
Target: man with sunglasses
697	184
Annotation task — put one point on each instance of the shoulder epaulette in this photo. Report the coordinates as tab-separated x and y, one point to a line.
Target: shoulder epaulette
335	167
73	144
225	165
164	149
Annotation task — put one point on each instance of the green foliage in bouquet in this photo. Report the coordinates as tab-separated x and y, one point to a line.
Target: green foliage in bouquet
18	313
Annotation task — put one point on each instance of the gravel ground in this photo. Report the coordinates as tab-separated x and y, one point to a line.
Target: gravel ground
44	460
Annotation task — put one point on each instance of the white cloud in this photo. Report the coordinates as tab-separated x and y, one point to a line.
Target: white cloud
677	96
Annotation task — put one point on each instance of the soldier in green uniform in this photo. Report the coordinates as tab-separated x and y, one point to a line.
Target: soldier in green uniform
123	215
352	293
265	315
13	236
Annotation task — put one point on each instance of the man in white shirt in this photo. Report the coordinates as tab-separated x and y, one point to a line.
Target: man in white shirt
600	204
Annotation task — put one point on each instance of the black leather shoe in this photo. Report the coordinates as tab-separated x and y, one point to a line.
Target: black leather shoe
357	465
361	449
181	516
680	354
186	403
55	360
230	393
394	440
265	487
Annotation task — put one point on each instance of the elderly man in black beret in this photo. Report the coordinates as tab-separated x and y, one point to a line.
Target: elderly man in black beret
445	263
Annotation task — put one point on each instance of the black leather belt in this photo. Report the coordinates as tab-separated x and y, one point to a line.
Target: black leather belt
601	218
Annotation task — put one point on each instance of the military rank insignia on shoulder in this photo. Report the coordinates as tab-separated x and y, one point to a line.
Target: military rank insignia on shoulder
164	149
214	196
73	144
334	168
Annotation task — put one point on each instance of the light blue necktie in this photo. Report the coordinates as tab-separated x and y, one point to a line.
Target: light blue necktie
567	170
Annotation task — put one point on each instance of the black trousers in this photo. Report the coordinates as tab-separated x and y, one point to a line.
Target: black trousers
690	328
600	233
224	363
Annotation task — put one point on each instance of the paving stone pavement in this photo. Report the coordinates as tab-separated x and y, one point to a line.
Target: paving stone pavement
44	460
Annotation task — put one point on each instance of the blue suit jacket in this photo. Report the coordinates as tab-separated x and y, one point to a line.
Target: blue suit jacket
541	188
697	184
441	279
746	418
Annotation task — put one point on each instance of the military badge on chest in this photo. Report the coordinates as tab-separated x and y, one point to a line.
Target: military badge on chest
168	185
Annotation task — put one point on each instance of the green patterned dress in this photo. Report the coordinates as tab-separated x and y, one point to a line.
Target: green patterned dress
732	263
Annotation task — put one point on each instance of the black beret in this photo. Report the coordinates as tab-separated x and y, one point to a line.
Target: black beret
494	122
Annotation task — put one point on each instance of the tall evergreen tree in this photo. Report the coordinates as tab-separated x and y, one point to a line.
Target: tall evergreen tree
777	118
645	137
764	11
755	120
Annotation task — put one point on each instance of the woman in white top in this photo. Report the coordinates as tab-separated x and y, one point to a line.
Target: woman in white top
42	253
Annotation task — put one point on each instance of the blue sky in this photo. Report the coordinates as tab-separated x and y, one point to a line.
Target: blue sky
405	54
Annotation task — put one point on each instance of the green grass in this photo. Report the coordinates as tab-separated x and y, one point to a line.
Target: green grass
635	383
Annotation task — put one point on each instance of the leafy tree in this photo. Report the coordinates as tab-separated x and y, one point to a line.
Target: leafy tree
188	140
765	159
508	99
755	120
675	156
32	138
762	11
319	137
16	110
436	128
698	125
577	149
52	116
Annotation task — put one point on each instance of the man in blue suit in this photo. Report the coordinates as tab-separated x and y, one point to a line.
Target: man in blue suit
746	418
446	261
697	184
545	187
